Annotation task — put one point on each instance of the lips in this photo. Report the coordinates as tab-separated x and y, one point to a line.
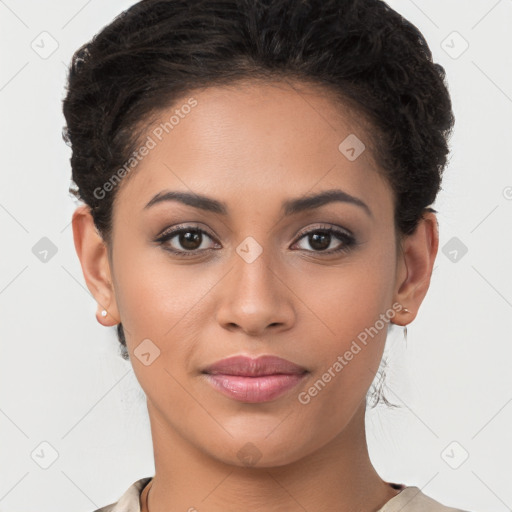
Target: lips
247	367
254	380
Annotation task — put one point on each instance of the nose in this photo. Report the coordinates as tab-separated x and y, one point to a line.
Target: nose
255	298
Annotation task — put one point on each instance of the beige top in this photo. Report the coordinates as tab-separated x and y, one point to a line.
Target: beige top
409	499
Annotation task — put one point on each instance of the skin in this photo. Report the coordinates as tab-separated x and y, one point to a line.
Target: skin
254	146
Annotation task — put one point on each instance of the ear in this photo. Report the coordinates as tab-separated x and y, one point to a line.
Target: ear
414	266
93	255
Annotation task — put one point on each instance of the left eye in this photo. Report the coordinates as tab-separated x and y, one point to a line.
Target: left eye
321	239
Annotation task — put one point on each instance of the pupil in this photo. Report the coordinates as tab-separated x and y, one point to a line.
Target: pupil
323	237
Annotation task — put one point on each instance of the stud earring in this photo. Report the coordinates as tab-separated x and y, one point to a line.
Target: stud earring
104	313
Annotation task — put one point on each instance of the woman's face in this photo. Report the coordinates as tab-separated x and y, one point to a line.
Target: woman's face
252	281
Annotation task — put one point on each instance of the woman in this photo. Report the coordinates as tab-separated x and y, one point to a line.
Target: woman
257	179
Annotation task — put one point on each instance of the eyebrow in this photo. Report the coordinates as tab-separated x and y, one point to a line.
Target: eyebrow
290	207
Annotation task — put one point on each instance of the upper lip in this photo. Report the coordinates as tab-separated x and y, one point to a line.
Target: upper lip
253	367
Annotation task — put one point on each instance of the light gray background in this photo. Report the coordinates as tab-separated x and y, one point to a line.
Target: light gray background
62	381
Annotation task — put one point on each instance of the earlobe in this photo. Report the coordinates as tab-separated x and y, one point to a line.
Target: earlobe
417	261
93	256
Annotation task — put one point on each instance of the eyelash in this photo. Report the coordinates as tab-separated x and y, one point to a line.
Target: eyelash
348	240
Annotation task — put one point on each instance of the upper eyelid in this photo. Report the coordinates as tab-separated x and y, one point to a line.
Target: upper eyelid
330	227
181	227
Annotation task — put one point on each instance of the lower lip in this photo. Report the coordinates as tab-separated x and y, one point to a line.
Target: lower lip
254	389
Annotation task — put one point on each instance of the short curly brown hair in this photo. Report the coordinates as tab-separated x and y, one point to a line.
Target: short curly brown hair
372	59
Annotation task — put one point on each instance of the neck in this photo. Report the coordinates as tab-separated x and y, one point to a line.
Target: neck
338	476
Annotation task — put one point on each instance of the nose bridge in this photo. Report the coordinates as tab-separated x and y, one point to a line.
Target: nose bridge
254	297
253	268
253	274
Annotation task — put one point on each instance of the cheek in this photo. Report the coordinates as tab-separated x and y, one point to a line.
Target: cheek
345	300
154	296
163	315
348	313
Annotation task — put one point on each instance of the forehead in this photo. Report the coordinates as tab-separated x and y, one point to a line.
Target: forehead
255	139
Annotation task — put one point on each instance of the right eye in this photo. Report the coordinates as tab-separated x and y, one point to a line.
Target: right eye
185	240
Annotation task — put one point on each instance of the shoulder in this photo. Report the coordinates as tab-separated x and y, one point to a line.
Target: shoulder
411	499
130	500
